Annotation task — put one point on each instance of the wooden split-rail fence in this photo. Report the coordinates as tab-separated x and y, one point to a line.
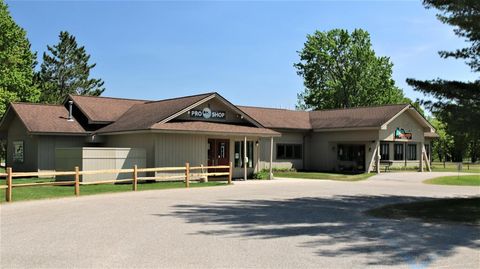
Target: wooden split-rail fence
186	177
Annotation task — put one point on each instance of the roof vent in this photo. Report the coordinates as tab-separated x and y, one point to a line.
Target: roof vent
70	105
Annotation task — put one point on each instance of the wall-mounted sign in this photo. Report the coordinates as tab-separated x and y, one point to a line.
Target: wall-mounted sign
400	133
207	113
18	151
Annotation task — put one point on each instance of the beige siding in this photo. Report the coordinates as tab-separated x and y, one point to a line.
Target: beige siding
286	138
100	159
323	153
407	122
141	141
47	146
18	132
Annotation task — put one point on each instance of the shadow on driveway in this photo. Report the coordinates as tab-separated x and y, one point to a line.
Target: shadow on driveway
338	225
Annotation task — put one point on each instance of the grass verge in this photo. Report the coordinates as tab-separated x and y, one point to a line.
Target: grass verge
47	192
318	175
458	210
467	180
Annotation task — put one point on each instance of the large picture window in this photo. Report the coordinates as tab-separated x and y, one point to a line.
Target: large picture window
398	152
289	151
412	152
239	147
384	151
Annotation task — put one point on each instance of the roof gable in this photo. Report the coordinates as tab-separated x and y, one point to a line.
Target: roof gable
103	109
359	117
143	116
40	118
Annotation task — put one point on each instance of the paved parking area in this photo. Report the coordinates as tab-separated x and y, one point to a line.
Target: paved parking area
285	223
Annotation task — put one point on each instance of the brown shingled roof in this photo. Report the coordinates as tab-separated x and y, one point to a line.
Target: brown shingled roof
279	118
212	127
39	118
360	117
143	116
103	109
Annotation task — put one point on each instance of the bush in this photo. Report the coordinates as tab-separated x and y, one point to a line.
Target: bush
264	174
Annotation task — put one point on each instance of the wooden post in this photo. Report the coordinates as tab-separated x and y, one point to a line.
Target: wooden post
422	152
9	189
230	173
187	175
378	157
135	178
270	175
245	162
77	181
203	177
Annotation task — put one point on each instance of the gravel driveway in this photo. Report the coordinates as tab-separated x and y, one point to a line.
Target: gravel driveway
284	223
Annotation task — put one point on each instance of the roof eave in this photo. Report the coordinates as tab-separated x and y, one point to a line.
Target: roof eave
346	129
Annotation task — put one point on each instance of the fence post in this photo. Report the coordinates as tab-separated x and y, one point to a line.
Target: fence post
230	173
135	178
77	181
9	189
187	175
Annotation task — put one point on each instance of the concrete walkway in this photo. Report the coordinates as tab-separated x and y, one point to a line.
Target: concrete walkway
285	223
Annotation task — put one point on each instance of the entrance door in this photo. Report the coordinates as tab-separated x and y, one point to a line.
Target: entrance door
351	157
218	153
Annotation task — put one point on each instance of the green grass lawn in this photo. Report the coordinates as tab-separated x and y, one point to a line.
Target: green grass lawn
318	175
45	192
460	210
452	167
463	180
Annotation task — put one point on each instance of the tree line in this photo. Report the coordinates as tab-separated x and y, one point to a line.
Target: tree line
65	67
341	70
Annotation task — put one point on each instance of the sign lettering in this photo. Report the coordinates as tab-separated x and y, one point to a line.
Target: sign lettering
207	113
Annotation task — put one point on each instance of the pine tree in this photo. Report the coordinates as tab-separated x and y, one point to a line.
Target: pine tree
457	103
66	71
17	63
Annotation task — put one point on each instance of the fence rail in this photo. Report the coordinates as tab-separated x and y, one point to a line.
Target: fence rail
185	177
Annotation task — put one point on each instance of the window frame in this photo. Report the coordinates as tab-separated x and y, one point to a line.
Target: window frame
239	162
411	148
293	149
396	154
383	154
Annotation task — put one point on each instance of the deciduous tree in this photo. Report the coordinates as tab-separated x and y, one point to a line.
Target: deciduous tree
341	70
16	63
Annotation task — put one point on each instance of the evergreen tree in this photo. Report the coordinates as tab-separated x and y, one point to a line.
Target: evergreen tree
17	63
341	70
457	103
66	71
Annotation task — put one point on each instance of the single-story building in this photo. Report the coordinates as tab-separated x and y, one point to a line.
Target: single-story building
207	129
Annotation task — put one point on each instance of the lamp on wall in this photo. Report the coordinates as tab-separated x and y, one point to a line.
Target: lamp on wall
369	149
256	143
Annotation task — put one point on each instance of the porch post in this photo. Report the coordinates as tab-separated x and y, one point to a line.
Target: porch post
245	162
421	156
377	153
271	158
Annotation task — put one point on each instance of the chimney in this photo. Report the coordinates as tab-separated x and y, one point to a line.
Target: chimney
70	105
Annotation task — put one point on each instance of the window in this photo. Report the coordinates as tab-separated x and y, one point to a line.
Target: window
412	152
18	151
239	146
398	152
384	151
289	151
